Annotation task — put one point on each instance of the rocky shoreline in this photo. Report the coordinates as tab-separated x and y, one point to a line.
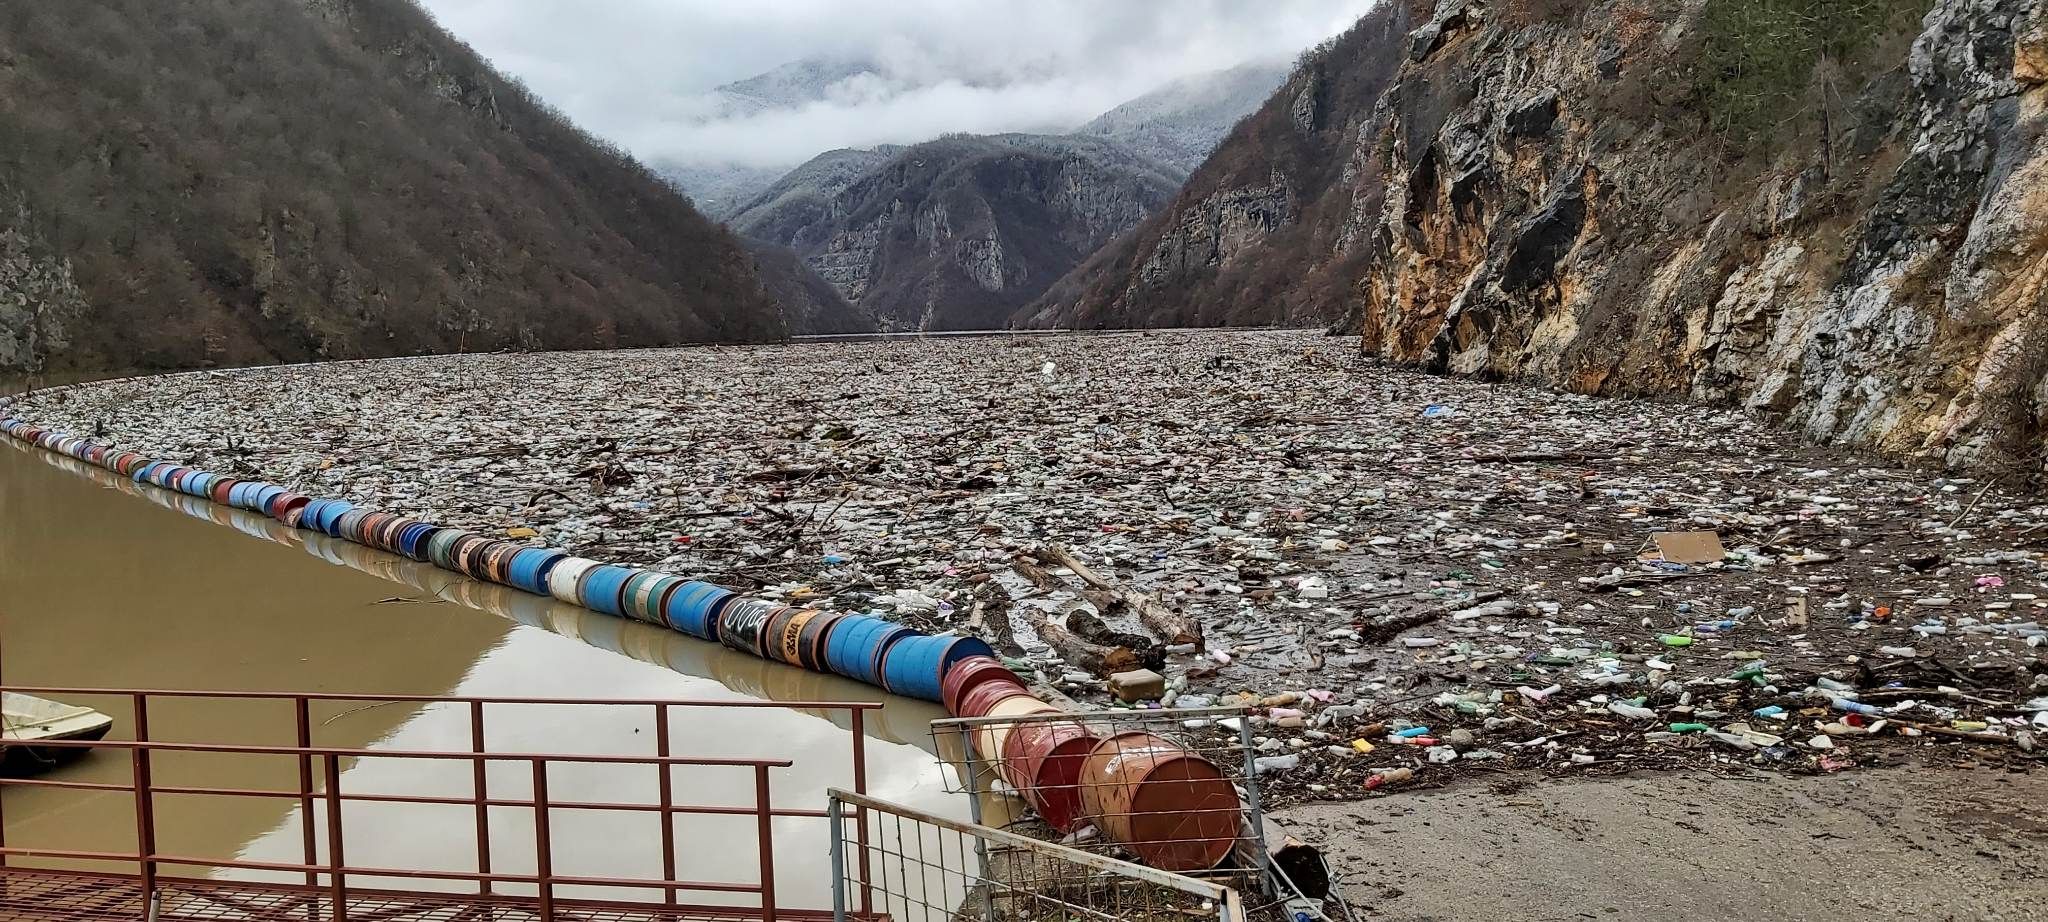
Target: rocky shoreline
1366	550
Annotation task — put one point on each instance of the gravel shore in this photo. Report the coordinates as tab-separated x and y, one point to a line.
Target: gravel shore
1366	548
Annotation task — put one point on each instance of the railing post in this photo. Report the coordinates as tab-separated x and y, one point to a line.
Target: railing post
481	785
145	800
835	822
308	838
336	882
766	822
543	849
860	813
668	819
973	780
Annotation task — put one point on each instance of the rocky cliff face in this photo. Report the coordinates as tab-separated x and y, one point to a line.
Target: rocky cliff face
959	233
1592	195
1252	238
245	181
810	305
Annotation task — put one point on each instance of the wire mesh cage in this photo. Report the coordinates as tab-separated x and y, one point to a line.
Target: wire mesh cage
1170	789
892	862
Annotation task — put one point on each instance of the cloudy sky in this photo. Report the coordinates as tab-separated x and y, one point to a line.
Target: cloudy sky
641	72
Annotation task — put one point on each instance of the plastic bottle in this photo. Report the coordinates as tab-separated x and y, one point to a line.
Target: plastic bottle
1412	732
1858	707
1631	711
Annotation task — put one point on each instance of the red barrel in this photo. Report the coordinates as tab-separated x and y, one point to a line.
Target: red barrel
370	527
221	488
983	698
1043	760
1170	807
971	673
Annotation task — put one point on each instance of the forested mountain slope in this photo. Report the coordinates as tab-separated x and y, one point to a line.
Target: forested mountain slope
231	181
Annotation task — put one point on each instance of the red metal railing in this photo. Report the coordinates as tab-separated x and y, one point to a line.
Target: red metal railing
331	874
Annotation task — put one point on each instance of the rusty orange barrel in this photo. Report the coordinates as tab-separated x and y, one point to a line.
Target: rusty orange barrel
371	527
1044	761
1170	807
465	553
789	639
971	673
811	640
772	633
990	740
497	561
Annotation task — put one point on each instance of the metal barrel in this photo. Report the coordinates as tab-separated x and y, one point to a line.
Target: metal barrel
787	639
856	651
690	608
812	637
1044	761
646	592
440	546
530	568
990	740
349	526
742	623
970	673
604	589
1172	808
916	666
567	575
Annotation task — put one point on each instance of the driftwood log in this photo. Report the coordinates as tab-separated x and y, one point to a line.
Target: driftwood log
1079	652
1171	626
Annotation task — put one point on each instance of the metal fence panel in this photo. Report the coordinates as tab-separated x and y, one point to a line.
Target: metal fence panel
906	865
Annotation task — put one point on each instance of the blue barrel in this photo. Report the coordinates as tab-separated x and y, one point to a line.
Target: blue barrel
529	568
259	499
315	512
855	650
195	483
603	589
309	517
330	516
691	607
917	666
413	541
142	473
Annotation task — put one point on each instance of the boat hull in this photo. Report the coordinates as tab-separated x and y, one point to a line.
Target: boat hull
22	759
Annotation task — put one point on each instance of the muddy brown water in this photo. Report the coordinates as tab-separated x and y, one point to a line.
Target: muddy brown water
104	583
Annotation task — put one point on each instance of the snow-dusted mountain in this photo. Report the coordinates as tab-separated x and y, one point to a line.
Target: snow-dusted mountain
1181	122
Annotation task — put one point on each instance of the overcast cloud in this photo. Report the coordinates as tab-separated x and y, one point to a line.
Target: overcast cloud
640	72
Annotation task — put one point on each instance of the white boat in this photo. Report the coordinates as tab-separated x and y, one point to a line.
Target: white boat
26	720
